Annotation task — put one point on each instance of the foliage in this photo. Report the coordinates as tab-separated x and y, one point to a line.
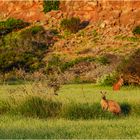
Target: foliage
11	24
136	30
102	60
130	68
95	33
54	31
38	107
4	107
57	63
84	111
49	5
35	29
107	80
25	50
71	24
70	64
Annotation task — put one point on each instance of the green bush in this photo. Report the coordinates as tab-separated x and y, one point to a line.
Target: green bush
84	111
24	50
27	59
107	80
35	29
70	64
130	68
38	107
102	60
56	63
4	107
53	63
71	25
136	30
11	24
49	5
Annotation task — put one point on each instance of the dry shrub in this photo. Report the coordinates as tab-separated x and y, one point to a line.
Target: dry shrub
131	69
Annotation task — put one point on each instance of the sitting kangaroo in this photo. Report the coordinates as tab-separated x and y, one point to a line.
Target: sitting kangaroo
110	105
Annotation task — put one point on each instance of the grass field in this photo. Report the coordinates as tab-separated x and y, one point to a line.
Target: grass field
74	123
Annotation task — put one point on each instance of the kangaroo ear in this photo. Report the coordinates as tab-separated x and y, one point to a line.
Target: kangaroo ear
105	93
101	92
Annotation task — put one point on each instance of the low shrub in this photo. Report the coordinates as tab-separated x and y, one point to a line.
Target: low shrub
53	64
4	107
84	111
54	31
107	80
37	107
56	63
71	24
102	60
70	64
11	24
49	5
136	30
130	68
25	50
34	30
29	61
135	109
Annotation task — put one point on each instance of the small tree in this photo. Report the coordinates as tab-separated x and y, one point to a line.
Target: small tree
71	25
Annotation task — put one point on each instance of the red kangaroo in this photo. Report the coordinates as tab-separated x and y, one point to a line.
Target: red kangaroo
118	85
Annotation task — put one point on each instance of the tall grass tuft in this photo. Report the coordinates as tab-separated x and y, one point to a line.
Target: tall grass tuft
85	111
4	107
37	107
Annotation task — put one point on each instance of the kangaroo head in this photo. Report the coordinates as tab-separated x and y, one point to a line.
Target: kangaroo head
103	95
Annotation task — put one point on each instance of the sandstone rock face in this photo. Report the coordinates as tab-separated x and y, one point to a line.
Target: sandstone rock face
123	12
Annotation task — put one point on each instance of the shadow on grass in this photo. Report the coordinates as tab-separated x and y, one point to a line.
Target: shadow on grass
126	108
86	111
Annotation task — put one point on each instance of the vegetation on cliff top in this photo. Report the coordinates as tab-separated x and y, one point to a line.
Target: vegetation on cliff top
11	24
49	5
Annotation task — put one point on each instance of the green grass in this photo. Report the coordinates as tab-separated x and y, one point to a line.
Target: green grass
126	38
19	127
76	119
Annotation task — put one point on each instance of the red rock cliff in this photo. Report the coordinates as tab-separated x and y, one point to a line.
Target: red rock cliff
121	12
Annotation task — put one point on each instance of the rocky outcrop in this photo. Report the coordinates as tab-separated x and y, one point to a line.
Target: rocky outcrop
30	10
124	12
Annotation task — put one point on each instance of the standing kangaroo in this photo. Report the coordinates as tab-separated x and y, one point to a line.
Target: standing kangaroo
110	105
118	85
